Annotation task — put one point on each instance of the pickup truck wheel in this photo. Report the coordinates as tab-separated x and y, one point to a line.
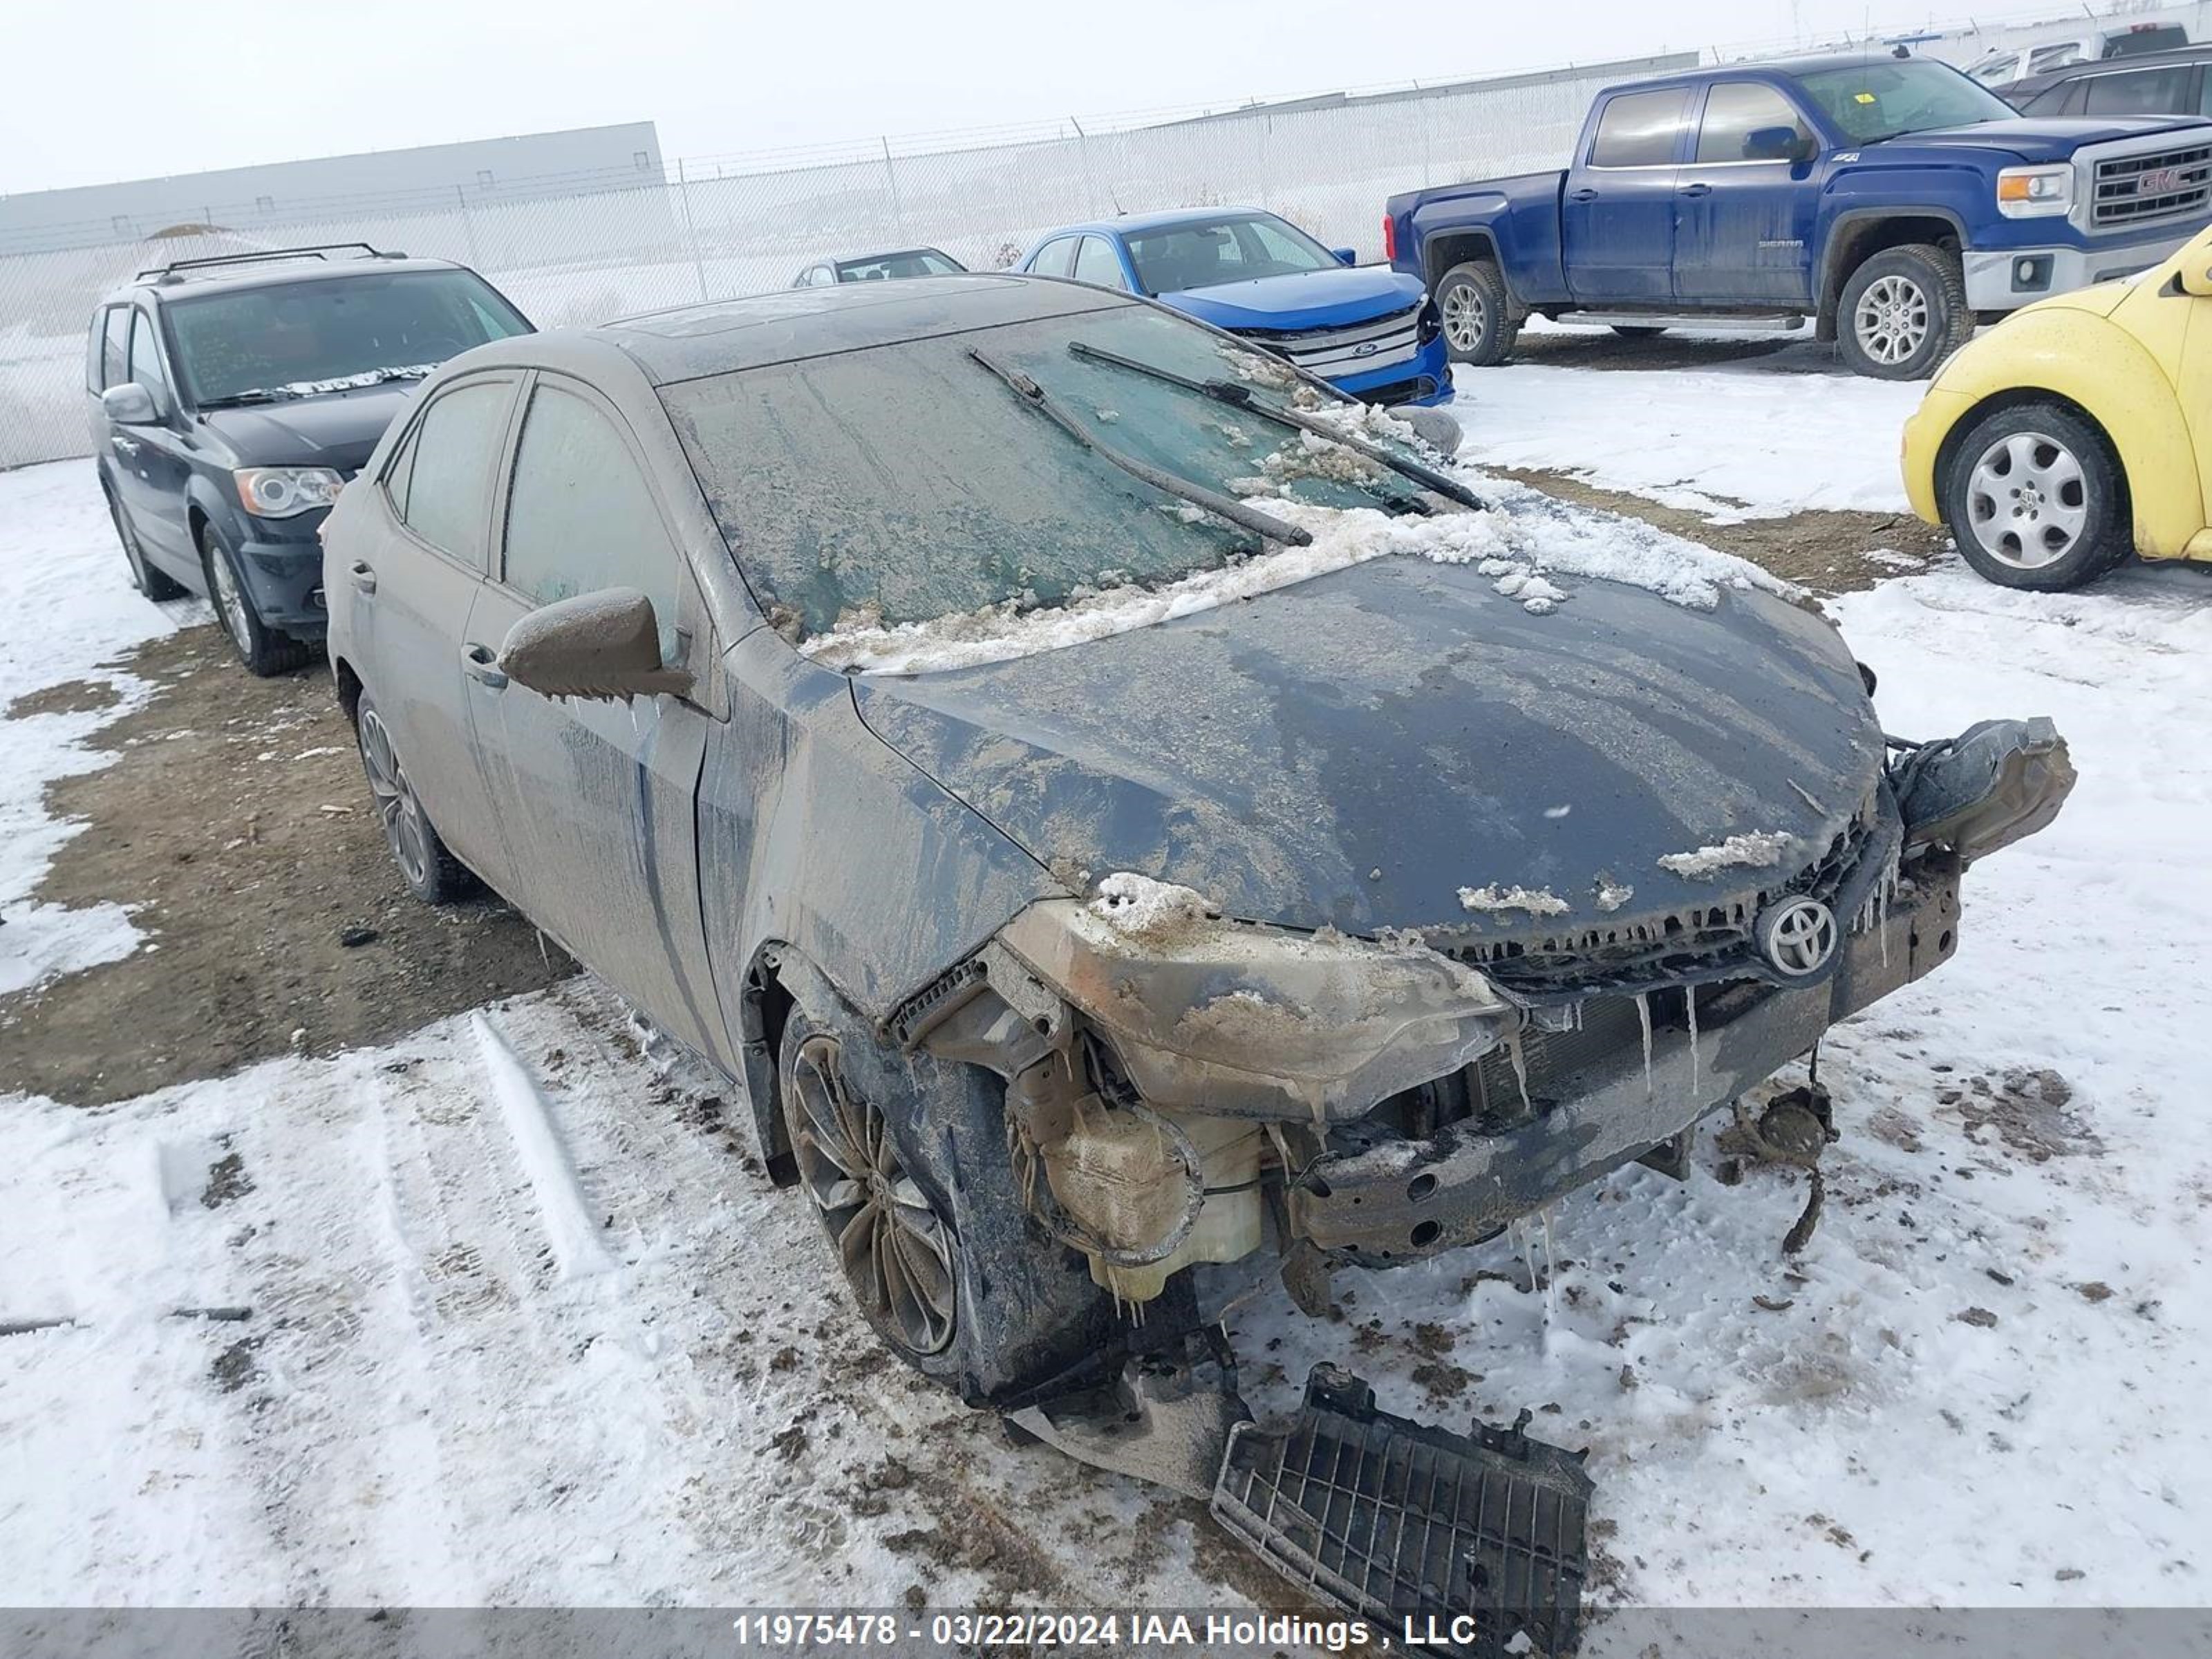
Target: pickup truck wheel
904	1159
2035	498
1903	312
1479	328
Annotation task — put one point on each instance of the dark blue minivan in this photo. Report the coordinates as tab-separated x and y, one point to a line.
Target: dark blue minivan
232	399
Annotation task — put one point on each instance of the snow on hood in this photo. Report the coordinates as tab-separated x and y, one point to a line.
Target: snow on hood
1528	542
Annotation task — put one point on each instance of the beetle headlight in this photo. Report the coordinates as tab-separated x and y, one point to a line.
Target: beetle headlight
2035	193
1236	1020
281	492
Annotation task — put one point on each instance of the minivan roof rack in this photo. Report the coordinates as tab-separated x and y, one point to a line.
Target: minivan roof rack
173	271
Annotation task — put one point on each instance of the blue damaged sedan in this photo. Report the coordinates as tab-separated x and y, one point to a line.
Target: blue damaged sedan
1368	330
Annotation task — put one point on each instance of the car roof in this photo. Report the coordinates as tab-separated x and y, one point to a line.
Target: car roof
1163	219
2088	66
790	325
882	253
1811	64
279	272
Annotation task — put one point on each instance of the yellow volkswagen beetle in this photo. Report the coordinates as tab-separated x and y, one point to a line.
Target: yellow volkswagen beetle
2077	431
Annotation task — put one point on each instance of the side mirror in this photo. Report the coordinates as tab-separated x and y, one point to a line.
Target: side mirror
605	645
2196	277
130	404
1433	428
1345	256
1777	144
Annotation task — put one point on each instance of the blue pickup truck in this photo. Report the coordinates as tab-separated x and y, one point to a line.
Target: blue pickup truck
1893	200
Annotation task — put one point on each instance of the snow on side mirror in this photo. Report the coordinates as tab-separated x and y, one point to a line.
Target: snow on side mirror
606	644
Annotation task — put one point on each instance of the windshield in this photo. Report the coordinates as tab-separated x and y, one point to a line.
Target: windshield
292	339
916	262
907	482
1215	251
1872	101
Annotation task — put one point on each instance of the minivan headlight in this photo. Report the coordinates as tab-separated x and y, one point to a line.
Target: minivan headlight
2035	193
281	492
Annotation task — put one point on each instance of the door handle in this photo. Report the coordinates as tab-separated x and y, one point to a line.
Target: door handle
1696	190
363	578
1585	194
125	446
483	667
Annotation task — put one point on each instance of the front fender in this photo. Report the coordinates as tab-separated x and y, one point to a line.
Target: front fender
2086	360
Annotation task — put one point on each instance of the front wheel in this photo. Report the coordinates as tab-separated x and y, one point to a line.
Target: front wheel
1478	322
2036	498
904	1158
1902	312
263	650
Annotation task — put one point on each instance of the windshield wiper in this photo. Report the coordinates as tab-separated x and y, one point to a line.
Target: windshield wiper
257	395
1035	397
1237	395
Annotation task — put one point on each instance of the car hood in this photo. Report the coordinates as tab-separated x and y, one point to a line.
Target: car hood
2042	139
1355	750
1313	298
334	428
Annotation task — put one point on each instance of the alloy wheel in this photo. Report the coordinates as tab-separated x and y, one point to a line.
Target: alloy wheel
895	1248
2027	500
1465	317
236	620
1891	319
396	805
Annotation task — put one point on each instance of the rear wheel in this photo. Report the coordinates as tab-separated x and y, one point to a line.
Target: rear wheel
263	650
904	1158
143	577
432	873
1477	323
1902	312
2036	498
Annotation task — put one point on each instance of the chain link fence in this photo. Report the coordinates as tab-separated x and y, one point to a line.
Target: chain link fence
582	249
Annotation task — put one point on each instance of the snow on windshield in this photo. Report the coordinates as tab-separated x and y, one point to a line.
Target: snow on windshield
1534	549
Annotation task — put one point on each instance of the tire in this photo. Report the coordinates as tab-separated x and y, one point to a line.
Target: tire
143	576
2072	521
1902	312
432	873
1636	331
976	1296
263	650
1479	327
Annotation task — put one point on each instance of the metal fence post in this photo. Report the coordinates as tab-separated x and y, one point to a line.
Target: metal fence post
891	174
1083	149
691	229
468	226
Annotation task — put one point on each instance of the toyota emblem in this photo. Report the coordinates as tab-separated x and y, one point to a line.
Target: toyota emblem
1797	936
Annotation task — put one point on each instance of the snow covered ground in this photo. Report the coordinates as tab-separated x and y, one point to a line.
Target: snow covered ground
1764	437
527	1325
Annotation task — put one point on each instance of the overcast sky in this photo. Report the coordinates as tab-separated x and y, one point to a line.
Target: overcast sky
133	88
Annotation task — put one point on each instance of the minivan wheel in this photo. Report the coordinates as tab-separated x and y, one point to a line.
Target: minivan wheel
432	873
263	650
1476	314
1902	312
904	1159
143	577
2035	499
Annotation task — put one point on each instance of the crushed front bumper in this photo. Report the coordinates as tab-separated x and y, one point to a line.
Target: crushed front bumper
1403	1200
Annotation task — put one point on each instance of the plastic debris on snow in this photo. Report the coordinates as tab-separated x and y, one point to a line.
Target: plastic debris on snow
1757	848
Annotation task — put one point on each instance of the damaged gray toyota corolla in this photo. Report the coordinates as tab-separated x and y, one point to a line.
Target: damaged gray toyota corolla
1129	818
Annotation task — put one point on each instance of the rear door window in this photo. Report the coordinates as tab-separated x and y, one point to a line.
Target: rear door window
581	516
440	486
1056	258
1638	129
2140	92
